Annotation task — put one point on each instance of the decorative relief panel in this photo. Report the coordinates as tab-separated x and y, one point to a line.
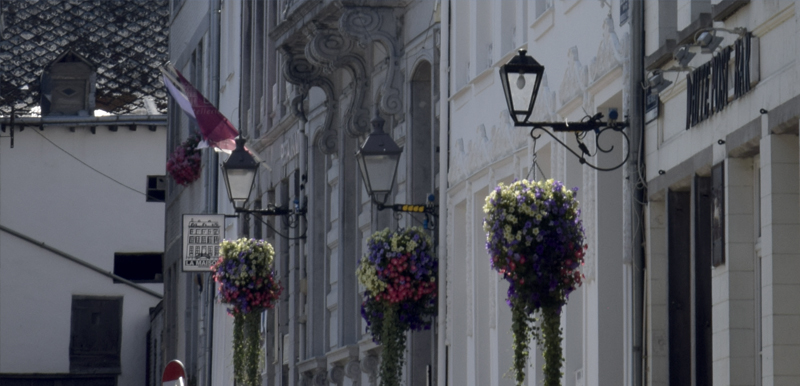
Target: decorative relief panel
500	140
576	78
610	54
491	145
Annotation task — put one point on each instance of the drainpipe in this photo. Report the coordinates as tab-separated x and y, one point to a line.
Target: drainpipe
635	171
444	151
215	11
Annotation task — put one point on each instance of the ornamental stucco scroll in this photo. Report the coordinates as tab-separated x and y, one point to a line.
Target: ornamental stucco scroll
367	24
299	71
331	50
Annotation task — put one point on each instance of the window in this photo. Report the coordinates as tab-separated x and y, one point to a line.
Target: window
139	267
95	335
541	6
156	188
67	84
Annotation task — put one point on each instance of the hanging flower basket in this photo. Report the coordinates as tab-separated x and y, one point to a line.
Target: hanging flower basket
184	162
399	274
247	284
535	239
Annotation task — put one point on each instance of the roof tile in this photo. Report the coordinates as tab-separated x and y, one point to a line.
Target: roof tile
125	40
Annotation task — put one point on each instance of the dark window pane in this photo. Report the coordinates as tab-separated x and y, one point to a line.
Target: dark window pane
139	267
156	188
95	335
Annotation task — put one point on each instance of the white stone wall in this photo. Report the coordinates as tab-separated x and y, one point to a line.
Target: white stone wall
754	300
53	198
583	75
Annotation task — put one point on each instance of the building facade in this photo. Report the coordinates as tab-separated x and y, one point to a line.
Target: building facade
691	247
204	46
314	74
722	213
586	73
82	138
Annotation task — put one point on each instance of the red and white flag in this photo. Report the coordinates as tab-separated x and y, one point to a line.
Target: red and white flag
215	129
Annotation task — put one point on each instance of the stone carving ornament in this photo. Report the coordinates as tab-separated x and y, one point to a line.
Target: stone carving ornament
609	54
336	375
326	46
575	78
321	378
367	24
353	371
329	49
307	379
369	366
299	71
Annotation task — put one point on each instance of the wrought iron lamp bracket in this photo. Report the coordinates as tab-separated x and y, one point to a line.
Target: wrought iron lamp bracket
406	208
430	210
581	129
292	215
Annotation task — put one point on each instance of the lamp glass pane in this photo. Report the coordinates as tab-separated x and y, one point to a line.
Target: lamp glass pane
381	170
240	183
520	87
364	176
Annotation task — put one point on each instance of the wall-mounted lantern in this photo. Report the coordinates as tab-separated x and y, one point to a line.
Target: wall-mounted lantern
521	78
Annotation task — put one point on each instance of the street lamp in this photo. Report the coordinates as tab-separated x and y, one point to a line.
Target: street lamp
377	159
239	172
521	78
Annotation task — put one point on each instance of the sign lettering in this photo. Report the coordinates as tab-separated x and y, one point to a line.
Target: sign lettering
707	86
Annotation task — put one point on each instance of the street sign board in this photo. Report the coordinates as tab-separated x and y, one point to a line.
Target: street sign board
174	374
202	234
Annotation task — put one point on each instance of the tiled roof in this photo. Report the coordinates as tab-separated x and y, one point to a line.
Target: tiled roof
126	40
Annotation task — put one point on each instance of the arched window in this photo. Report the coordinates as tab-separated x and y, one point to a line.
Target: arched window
423	134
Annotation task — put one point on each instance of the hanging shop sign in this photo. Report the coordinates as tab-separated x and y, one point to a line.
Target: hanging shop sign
202	234
727	76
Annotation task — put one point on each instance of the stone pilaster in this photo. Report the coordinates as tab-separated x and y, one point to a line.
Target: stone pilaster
780	259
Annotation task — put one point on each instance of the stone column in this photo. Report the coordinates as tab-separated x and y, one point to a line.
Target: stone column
780	259
732	293
657	365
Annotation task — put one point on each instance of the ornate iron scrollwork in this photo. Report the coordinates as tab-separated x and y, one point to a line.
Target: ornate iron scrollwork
592	124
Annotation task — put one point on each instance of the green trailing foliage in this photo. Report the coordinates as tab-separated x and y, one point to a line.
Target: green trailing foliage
535	240
393	337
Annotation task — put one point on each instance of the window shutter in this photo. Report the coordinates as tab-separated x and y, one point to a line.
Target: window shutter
718	215
702	269
96	335
679	274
